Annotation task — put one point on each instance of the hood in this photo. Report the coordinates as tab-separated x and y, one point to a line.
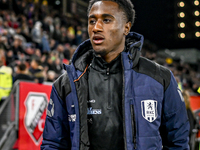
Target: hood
84	53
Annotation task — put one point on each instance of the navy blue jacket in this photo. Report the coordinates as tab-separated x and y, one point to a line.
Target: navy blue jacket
154	113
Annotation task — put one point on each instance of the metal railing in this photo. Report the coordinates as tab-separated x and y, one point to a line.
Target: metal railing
9	118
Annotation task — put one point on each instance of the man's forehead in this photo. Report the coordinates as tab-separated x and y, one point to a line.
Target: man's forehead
104	6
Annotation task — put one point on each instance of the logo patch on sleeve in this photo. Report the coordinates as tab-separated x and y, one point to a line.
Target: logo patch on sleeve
149	110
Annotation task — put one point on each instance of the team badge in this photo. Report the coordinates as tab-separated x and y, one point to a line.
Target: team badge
149	110
35	105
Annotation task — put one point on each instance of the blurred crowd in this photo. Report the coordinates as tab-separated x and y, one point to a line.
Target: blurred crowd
37	37
187	75
36	40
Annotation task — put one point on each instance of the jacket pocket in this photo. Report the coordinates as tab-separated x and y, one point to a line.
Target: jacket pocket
133	123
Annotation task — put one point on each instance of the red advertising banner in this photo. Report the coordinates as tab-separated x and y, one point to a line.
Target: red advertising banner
195	106
33	101
195	102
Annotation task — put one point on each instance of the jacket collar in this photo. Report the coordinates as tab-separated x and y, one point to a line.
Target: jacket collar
84	53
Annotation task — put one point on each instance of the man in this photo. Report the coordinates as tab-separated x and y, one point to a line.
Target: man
5	78
36	70
22	73
110	98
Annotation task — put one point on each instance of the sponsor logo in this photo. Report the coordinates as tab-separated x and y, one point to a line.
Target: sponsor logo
91	101
149	110
35	105
92	111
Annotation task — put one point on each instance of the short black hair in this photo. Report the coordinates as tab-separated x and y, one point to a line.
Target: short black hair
37	60
125	5
22	67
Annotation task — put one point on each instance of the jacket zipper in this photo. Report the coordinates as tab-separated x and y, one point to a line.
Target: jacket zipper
108	79
133	125
123	104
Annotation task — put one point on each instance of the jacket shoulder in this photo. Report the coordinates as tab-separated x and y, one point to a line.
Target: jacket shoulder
62	85
154	70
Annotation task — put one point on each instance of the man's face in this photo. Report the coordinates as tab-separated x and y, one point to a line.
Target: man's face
107	28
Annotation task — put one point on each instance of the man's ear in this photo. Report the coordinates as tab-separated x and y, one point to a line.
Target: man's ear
127	28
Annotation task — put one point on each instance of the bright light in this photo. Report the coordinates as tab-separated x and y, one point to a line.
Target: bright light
181	14
197	23
196	2
181	4
57	2
181	35
196	13
181	25
197	34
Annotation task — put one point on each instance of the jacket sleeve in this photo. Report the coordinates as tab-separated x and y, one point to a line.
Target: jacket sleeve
56	134
175	125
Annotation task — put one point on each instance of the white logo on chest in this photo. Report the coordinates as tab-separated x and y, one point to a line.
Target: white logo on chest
92	111
149	110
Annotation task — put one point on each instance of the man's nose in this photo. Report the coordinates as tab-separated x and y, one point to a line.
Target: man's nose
98	26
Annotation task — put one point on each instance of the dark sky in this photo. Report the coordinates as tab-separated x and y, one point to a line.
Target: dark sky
155	19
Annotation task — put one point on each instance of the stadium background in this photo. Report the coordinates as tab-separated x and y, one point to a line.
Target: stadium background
172	38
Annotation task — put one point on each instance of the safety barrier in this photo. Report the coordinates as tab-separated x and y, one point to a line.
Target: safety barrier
9	111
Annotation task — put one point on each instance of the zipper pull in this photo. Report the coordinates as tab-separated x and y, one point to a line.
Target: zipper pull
107	71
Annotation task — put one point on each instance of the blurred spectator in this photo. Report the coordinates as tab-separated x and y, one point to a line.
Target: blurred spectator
22	73
45	43
5	77
50	61
57	67
36	34
78	35
4	43
57	33
36	70
48	26
10	58
4	4
191	117
51	76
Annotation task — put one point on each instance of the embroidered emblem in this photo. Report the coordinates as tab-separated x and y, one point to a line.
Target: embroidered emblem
149	110
72	118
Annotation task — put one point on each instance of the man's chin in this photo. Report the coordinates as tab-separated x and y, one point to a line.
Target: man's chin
100	52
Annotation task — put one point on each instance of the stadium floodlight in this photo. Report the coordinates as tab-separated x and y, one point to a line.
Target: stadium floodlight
197	24
197	34
181	25
181	15
196	13
57	2
196	2
181	35
181	4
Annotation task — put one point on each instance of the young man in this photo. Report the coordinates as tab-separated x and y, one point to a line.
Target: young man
110	98
22	73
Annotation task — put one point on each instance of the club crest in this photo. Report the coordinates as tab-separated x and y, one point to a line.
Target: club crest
149	110
35	105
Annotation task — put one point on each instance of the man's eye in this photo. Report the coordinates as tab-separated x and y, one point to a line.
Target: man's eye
92	21
106	20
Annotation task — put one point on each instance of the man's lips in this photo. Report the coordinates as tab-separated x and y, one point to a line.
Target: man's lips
98	39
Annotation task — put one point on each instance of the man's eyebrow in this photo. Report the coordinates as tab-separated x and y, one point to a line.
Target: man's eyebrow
103	15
